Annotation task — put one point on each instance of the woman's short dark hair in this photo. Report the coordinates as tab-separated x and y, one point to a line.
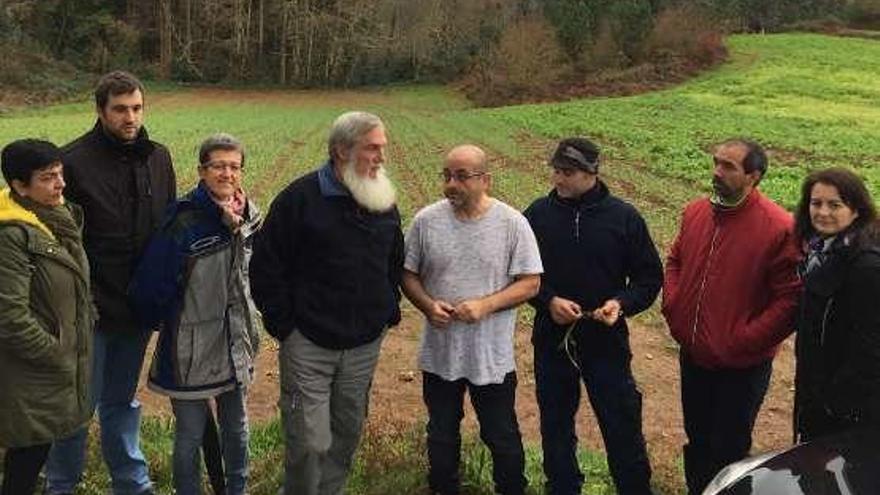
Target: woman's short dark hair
852	191
20	159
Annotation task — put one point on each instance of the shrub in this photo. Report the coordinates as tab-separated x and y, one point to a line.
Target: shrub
631	22
686	32
526	63
575	23
34	74
605	53
864	14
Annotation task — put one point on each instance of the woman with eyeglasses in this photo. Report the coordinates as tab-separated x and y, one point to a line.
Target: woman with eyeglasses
837	385
193	280
46	314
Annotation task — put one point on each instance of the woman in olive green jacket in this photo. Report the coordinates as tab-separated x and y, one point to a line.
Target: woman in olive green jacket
45	313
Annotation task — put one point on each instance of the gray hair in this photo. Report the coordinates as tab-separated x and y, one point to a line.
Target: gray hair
348	128
219	141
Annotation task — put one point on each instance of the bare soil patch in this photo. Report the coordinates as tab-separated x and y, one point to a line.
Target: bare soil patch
661	73
198	96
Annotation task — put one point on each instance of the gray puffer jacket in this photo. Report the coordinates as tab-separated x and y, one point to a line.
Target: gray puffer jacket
193	279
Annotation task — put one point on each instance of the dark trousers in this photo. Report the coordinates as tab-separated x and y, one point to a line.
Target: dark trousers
720	407
499	430
604	362
21	469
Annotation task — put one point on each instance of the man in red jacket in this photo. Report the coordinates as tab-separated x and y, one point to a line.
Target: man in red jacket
729	296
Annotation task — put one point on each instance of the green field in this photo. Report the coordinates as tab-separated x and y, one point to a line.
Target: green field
814	101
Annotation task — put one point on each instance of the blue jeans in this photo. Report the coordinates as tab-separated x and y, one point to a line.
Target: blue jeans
604	359
720	407
499	430
190	417
116	367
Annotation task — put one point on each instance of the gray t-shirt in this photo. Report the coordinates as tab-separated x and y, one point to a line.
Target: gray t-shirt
467	259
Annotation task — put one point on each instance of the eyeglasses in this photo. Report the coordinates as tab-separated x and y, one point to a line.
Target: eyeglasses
232	167
459	175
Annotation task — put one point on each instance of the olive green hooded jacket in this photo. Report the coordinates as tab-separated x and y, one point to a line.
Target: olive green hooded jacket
46	321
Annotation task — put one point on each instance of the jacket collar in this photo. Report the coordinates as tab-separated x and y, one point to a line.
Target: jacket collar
200	198
329	184
589	200
841	253
753	197
11	211
827	279
141	146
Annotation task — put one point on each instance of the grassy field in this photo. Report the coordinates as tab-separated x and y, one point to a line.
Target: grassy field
391	461
812	100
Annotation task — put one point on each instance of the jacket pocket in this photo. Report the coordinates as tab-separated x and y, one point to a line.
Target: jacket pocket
203	353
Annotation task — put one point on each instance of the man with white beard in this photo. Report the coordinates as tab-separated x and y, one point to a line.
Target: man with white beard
325	273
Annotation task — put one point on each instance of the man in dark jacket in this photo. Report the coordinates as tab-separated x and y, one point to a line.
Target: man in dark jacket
325	273
729	297
123	181
599	265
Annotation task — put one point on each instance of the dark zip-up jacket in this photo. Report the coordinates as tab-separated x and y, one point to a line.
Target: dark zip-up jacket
838	343
124	190
594	249
325	266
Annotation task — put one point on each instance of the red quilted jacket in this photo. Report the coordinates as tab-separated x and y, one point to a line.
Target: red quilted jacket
731	285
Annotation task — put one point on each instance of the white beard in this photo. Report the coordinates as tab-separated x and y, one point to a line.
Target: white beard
376	195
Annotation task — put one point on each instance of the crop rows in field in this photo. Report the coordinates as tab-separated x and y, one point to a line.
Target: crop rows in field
811	99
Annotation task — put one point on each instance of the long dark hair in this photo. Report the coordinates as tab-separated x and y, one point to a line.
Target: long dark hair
853	193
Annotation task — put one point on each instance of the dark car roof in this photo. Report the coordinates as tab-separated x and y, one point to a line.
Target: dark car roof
847	463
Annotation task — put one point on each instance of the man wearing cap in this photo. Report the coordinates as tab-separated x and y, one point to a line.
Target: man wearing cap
729	297
470	260
600	265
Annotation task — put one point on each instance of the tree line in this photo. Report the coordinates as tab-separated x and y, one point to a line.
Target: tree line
308	43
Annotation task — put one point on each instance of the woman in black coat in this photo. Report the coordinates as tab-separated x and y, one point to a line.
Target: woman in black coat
837	385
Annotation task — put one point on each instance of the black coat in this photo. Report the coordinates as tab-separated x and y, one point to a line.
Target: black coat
326	267
838	343
124	190
593	250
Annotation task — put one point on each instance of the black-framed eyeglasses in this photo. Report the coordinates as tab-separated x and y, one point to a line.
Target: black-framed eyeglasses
459	175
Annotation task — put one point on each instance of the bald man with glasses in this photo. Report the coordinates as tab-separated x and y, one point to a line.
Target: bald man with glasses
470	261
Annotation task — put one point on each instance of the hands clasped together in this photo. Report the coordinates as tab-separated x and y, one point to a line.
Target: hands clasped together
443	313
565	311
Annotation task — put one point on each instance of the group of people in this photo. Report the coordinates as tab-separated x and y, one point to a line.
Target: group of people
96	251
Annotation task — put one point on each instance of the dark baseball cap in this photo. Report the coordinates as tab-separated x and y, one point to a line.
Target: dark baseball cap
576	153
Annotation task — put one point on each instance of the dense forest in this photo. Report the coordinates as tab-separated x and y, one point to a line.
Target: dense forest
308	43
